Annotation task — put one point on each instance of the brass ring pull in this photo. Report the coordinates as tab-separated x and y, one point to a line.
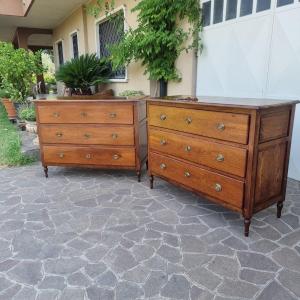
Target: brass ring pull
188	120
113	115
163	166
188	149
59	134
114	136
83	114
61	155
218	187
187	174
88	156
163	142
221	126
220	158
56	115
87	135
163	117
116	156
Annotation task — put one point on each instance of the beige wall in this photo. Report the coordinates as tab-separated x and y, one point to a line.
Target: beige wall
136	80
63	32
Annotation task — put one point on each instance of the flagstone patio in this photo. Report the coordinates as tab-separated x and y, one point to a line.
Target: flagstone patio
90	234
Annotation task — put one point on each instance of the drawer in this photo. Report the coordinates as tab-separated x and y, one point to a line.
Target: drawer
215	155
86	113
87	134
103	156
221	187
224	126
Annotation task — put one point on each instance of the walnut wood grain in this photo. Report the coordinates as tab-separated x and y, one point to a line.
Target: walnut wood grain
215	155
223	126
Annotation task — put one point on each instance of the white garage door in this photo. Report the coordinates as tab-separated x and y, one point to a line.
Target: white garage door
252	49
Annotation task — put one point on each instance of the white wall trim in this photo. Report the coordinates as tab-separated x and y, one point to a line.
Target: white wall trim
76	31
56	51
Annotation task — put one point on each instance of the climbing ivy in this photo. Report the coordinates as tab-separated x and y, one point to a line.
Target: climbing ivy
159	38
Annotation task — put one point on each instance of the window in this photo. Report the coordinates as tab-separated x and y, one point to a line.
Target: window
60	52
218	11
263	5
206	10
284	2
74	40
111	32
231	9
246	7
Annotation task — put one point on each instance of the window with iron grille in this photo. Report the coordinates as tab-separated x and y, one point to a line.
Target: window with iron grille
111	32
60	53
74	38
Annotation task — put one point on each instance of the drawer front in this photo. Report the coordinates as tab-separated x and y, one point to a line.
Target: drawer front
105	113
87	135
222	157
224	126
89	155
217	186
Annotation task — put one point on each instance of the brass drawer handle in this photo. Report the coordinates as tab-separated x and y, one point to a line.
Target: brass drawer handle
116	157
88	156
163	117
112	115
188	149
187	174
83	114
61	155
218	187
163	142
114	136
87	135
221	126
59	134
56	115
163	166
188	120
220	158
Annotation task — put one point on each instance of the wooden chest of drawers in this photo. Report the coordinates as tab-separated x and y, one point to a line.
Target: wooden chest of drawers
93	133
232	151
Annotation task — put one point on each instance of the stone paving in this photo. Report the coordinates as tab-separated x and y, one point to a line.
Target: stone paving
90	234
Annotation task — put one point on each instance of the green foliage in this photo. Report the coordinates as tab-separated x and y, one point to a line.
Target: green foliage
131	93
10	146
79	74
27	113
101	5
3	94
17	70
159	38
49	78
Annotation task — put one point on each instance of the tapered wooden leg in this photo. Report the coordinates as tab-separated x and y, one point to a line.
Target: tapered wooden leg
279	209
147	165
247	223
151	181
46	171
139	175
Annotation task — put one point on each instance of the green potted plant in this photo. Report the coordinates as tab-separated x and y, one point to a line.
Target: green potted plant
159	37
18	70
81	74
27	113
8	104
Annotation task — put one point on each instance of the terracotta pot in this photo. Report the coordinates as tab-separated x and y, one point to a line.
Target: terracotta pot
10	109
31	126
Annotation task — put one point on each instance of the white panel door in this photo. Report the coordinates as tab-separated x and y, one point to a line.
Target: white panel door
284	70
257	55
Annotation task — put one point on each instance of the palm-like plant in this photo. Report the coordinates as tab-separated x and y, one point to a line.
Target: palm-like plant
79	74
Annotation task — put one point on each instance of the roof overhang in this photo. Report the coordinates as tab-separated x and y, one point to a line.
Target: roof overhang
42	14
17	8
